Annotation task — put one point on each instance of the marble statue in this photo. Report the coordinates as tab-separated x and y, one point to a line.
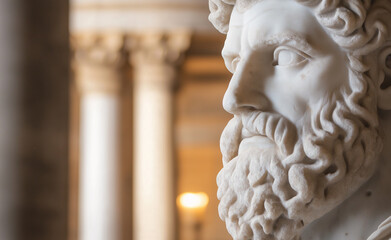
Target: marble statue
303	156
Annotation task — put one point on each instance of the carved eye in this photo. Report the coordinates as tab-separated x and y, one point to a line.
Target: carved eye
285	56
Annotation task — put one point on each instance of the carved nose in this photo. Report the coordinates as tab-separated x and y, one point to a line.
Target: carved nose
240	97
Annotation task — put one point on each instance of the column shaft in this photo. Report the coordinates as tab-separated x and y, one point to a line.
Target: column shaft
154	58
154	165
99	69
99	167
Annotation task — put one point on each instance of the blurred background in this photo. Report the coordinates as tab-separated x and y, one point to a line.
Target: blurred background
110	119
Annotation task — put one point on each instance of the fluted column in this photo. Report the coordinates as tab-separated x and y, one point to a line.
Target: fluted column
154	58
99	70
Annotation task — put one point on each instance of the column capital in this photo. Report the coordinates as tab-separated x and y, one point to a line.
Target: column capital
158	48
98	61
155	55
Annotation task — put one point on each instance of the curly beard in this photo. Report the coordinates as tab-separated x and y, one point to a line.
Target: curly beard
277	179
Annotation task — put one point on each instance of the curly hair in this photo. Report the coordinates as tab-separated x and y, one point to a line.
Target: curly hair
358	26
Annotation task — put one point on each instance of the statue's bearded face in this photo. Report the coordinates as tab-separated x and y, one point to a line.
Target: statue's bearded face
304	135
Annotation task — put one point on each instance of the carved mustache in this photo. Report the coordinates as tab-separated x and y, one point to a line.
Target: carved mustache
256	123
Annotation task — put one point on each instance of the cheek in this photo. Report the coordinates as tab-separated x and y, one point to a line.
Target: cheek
310	82
320	78
293	89
286	96
295	82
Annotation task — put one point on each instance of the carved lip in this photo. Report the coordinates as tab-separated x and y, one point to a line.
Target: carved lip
246	134
250	141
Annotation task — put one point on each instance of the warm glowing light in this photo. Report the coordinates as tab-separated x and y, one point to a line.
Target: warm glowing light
193	200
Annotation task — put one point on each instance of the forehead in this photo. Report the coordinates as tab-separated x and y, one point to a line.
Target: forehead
270	18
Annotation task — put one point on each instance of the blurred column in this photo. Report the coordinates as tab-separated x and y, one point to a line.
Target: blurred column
155	57
99	70
34	79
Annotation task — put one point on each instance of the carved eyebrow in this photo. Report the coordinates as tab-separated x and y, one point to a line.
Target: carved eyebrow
286	38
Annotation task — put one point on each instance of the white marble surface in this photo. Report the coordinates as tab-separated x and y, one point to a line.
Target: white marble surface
305	93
